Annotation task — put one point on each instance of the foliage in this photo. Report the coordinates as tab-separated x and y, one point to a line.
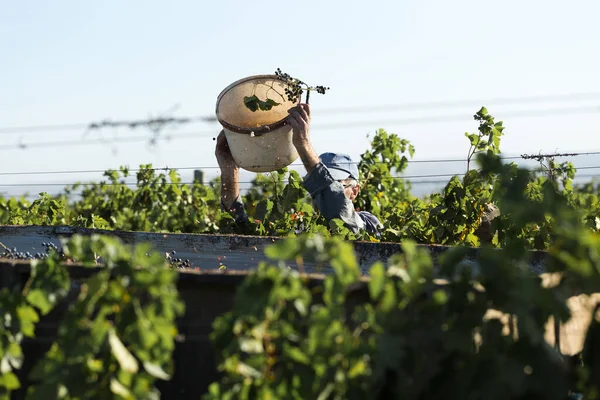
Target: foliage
117	337
278	204
454	215
291	343
458	215
380	188
253	103
21	309
295	87
293	91
469	330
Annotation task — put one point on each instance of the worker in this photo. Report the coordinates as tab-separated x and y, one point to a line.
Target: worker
332	178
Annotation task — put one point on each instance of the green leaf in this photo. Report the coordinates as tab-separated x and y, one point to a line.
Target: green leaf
148	337
27	317
359	368
389	299
38	298
156	371
119	389
327	391
263	210
377	280
14	354
126	360
247	371
99	222
251	102
267	105
296	354
440	297
284	250
473	139
300	307
251	346
95	365
10	381
174	176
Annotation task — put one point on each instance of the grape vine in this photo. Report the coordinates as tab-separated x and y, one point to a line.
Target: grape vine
466	211
293	91
464	330
461	330
119	332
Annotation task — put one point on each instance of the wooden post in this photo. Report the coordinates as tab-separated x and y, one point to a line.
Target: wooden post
199	176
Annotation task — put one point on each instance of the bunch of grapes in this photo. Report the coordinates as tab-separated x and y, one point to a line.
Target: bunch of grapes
321	89
295	88
177	262
282	75
293	92
15	254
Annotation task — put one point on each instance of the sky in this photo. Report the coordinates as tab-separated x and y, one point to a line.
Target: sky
74	62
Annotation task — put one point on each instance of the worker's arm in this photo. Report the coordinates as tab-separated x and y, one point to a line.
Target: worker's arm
230	175
327	193
299	119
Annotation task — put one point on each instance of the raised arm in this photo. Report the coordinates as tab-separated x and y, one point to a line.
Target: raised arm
230	175
327	193
299	119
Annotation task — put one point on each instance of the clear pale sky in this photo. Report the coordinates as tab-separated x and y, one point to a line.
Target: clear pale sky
80	62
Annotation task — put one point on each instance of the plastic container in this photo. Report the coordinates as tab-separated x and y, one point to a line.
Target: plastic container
260	141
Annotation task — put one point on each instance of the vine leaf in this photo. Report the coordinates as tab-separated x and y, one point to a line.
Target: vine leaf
40	300
253	103
156	371
267	105
27	318
377	281
263	210
10	381
297	355
123	356
118	388
283	250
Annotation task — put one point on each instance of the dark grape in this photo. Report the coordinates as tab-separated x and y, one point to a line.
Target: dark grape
177	262
294	89
14	254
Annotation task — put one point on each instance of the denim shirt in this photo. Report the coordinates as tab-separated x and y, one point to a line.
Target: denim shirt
328	195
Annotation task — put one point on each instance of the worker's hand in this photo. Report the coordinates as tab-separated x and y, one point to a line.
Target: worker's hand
223	153
299	119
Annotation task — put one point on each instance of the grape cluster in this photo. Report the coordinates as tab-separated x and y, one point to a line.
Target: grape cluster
283	76
293	91
321	89
15	254
177	262
294	88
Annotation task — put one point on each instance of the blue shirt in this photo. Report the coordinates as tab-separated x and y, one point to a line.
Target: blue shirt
328	195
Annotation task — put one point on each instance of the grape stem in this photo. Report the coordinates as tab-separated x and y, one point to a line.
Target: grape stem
275	90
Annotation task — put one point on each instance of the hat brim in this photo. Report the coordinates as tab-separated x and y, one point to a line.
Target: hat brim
336	173
339	174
